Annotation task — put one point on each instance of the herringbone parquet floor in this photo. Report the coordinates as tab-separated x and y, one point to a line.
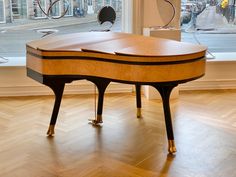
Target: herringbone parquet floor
124	146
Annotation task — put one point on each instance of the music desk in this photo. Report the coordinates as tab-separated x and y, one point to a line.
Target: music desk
102	57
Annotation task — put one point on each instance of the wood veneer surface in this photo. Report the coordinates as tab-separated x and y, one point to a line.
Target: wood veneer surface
118	43
117	56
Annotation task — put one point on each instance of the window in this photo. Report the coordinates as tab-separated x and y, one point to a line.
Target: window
25	20
69	5
2	11
37	12
209	22
19	9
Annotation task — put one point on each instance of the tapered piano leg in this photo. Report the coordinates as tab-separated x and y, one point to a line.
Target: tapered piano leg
101	86
138	100
58	89
165	91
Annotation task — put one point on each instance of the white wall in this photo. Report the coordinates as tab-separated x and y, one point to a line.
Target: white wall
159	12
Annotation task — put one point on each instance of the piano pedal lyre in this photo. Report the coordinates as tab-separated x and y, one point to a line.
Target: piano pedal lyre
51	131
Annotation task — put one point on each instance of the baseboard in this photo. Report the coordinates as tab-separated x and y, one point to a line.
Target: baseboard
14	82
209	85
113	88
83	88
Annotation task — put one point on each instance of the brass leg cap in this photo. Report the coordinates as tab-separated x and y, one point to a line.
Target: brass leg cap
51	131
171	148
97	121
139	112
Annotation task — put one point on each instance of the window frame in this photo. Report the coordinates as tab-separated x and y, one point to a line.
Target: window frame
3	12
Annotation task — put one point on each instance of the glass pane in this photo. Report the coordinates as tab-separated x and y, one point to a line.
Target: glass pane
19	9
37	12
54	11
2	18
67	6
107	2
209	22
99	5
26	21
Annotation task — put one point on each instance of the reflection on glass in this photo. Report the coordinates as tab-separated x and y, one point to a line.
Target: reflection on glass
20	20
209	22
38	13
70	8
2	11
19	9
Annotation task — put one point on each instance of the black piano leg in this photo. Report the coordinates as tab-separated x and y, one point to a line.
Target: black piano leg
138	100
165	91
101	86
58	88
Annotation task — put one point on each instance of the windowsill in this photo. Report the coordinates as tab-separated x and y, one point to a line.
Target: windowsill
14	61
222	57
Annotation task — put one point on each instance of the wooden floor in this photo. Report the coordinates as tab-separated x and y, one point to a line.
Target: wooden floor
124	146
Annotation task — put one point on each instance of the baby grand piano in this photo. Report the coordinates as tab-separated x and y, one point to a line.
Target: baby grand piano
102	57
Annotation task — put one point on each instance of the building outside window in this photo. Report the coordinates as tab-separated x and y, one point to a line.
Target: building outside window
37	12
19	9
69	5
211	23
22	20
107	2
2	11
58	8
55	10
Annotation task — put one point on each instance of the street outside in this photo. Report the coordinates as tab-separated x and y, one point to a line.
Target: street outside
211	30
14	37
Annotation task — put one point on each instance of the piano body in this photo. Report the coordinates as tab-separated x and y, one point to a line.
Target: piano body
102	57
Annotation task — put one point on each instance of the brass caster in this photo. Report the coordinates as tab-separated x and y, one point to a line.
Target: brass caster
96	121
51	131
171	147
139	112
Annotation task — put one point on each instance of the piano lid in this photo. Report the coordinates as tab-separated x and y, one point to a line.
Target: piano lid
119	44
